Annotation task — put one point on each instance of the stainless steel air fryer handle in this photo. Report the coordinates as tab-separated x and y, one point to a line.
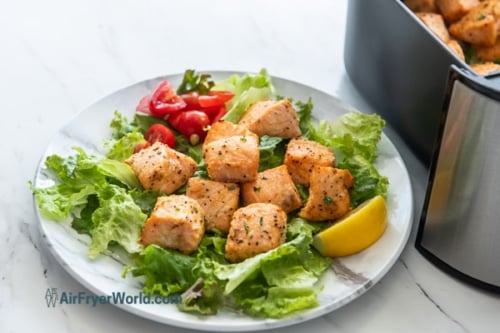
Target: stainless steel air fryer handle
460	224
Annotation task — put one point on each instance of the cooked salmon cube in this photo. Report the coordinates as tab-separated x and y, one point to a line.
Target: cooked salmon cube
162	168
219	201
329	196
479	26
231	157
272	118
302	155
223	129
435	23
272	186
255	229
485	68
455	46
489	53
453	10
421	5
177	222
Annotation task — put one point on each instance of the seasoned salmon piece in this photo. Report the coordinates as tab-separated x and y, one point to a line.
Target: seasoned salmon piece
485	68
219	201
453	10
435	22
223	129
329	196
234	157
302	154
273	118
177	222
255	229
162	168
421	5
480	26
455	46
489	53
272	186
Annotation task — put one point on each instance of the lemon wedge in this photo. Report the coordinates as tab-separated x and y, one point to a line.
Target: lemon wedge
355	231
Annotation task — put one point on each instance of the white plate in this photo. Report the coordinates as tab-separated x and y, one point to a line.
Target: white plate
346	280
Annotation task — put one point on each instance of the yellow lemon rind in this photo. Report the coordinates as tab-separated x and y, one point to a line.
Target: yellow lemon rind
356	231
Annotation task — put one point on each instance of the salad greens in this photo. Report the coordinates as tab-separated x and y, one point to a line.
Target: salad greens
354	137
101	197
248	89
103	186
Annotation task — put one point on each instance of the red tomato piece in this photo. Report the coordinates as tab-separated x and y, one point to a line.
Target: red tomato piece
159	132
191	100
140	146
193	125
215	99
164	100
207	101
143	105
212	111
223	95
218	116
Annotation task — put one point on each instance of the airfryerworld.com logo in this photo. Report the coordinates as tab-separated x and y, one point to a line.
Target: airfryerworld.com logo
54	297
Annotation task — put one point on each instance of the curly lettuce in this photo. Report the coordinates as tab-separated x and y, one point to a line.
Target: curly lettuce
96	195
273	284
355	137
247	89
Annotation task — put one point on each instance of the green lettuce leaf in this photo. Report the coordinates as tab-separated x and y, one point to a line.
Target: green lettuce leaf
205	295
165	272
248	89
123	148
145	199
118	219
355	136
120	171
279	302
60	201
368	181
94	194
353	133
278	282
83	223
304	112
144	121
77	177
121	126
271	152
194	82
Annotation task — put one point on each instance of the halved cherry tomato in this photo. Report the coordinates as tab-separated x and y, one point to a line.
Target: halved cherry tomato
191	100
160	132
224	95
142	145
218	116
212	111
143	105
165	101
193	125
215	98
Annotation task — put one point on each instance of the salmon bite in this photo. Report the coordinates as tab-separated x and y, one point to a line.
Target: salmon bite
162	168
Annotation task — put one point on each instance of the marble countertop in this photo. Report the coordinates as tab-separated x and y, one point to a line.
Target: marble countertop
59	56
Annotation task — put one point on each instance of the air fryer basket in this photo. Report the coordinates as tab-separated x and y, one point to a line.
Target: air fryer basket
400	67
